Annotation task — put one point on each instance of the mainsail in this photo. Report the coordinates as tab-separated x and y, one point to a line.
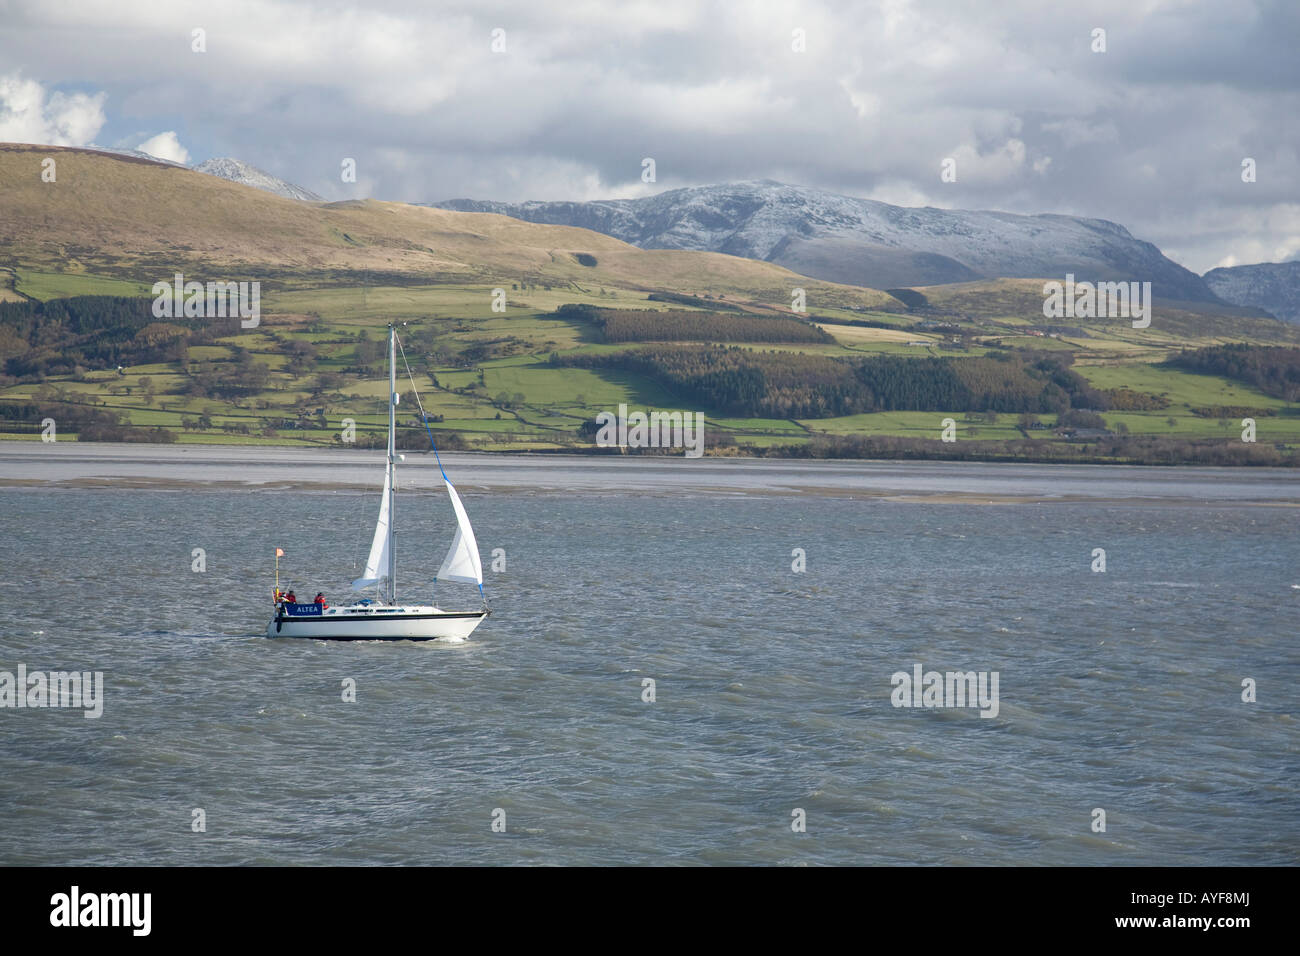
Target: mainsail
462	562
377	563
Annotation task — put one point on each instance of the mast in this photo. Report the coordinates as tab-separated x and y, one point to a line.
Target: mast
392	460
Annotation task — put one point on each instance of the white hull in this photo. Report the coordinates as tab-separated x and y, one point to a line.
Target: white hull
378	623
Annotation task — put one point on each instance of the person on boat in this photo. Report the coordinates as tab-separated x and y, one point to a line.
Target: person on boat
289	597
320	599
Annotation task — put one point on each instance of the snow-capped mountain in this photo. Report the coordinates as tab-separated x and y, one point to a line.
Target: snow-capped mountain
1271	286
865	242
138	154
224	167
241	172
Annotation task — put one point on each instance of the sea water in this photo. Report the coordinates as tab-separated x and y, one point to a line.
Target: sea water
680	667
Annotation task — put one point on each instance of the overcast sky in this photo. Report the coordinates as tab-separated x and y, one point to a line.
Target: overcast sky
1150	133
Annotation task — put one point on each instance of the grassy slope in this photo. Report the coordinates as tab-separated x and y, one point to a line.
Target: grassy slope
140	221
556	400
114	226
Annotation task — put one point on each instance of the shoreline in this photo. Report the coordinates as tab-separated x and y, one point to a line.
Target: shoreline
73	466
467	490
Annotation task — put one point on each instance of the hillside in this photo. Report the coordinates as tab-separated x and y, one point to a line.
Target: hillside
864	242
588	323
126	217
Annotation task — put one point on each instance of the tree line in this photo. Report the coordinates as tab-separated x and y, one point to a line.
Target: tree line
750	383
681	325
90	332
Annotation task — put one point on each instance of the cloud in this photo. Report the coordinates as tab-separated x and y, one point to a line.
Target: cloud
165	146
1266	233
1074	131
28	114
1006	161
1150	134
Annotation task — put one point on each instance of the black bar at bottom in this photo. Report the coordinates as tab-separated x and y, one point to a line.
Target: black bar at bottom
951	906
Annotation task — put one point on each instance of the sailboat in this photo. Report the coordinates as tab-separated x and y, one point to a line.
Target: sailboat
384	619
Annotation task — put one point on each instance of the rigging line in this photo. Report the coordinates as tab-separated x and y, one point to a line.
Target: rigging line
419	404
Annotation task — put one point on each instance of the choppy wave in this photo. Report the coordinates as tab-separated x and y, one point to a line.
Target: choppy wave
1119	690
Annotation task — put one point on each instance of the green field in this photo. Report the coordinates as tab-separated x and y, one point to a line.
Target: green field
512	398
1182	388
58	285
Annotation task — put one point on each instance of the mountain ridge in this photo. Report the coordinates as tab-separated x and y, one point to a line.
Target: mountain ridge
866	242
224	167
1271	286
117	215
238	171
